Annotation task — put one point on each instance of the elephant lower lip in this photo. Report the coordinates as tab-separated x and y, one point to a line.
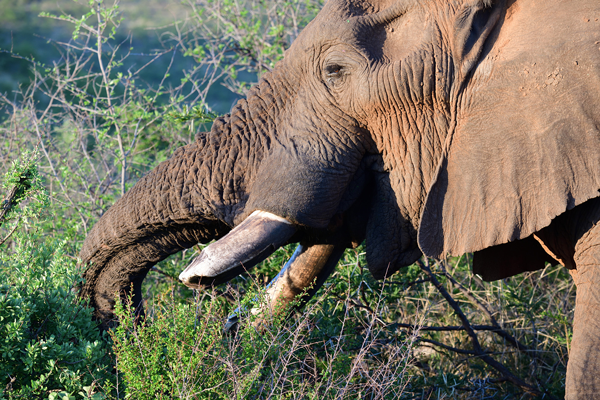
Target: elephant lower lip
249	243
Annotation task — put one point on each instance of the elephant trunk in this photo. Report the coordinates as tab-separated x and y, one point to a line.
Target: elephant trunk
169	209
196	196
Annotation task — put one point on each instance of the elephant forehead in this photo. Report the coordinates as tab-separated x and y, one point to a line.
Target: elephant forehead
343	21
322	32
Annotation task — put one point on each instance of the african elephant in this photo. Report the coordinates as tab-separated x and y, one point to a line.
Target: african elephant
420	126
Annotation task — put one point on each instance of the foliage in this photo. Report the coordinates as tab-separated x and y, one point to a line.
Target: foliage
183	352
245	36
48	340
403	325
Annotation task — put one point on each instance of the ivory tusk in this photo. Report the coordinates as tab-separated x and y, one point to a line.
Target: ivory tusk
303	274
246	245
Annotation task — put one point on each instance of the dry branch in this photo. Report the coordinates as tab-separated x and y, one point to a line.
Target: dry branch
477	349
501	332
7	204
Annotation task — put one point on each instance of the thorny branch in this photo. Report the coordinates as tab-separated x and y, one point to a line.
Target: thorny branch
478	351
466	326
501	332
444	328
7	204
469	329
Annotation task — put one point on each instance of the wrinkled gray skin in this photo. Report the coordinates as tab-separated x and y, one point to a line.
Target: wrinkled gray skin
435	127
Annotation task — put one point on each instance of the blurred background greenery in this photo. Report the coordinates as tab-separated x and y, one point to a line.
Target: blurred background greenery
146	28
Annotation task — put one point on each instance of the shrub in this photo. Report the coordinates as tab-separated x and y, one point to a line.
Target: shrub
182	351
48	341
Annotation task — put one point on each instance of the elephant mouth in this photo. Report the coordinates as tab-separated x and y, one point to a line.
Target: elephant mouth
262	232
251	242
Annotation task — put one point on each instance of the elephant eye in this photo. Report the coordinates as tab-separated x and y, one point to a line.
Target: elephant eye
334	70
333	73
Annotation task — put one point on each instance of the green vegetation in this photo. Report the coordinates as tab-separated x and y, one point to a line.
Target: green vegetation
87	121
329	351
48	340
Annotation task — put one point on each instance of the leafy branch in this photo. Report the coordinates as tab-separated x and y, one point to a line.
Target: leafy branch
22	182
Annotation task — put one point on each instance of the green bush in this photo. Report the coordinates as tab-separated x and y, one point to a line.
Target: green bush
324	352
48	341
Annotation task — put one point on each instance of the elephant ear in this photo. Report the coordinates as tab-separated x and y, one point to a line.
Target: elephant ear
472	26
526	144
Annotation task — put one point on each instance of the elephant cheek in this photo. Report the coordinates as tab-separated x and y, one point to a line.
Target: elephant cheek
390	238
304	190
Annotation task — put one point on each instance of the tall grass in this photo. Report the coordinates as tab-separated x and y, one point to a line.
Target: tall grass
433	330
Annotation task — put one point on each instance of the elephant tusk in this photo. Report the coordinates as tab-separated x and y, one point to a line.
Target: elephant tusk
233	318
300	278
303	274
246	245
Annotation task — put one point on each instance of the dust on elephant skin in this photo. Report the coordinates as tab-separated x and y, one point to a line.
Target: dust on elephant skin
421	127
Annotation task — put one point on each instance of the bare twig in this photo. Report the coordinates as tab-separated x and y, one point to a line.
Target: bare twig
444	328
7	204
445	346
499	331
11	231
477	349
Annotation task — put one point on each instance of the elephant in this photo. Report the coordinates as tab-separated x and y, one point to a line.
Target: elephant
421	127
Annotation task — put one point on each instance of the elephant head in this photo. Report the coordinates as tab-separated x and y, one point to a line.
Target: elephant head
435	127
